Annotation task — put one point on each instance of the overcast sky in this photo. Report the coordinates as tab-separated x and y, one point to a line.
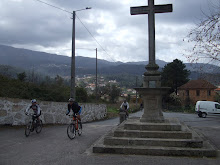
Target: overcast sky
33	25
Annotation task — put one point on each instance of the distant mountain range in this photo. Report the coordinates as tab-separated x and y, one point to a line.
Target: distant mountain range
52	64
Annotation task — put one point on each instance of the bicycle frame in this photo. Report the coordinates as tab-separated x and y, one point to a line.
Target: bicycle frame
33	119
74	127
75	121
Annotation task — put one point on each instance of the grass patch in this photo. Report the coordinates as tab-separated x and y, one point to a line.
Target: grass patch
112	110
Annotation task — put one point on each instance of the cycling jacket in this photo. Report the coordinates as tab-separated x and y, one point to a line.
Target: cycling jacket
74	107
124	105
35	108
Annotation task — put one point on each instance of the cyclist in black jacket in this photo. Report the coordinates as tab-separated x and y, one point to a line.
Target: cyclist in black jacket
73	105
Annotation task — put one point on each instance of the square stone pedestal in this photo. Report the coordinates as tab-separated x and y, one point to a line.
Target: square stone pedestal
152	98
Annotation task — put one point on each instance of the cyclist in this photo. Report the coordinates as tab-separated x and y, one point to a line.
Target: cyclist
36	108
73	105
141	106
125	106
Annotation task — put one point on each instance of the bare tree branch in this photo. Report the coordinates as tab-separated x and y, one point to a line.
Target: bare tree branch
206	37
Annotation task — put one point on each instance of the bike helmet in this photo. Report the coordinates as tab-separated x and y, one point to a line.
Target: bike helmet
71	99
33	101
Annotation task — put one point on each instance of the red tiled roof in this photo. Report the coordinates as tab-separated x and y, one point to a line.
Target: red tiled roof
198	84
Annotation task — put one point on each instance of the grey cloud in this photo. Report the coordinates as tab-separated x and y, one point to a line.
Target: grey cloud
35	25
38	24
30	25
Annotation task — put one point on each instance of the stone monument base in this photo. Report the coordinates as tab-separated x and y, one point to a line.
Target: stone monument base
170	138
152	119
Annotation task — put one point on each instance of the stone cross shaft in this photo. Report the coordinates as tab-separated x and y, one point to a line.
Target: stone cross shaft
151	9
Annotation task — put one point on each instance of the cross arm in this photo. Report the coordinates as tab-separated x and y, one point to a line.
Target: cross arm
146	9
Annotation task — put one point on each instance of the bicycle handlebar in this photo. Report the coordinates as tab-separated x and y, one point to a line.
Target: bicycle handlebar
30	114
73	115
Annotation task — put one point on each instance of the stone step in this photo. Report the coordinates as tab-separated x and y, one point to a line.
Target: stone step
153	126
153	134
155	150
153	142
159	143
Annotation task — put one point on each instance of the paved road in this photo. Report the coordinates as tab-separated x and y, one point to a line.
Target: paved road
208	127
52	145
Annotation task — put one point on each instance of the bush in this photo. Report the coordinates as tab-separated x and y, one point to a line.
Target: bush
14	88
188	109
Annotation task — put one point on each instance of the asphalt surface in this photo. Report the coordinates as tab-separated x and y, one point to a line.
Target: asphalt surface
209	127
52	146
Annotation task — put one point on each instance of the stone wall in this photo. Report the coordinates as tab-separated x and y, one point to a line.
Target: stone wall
12	111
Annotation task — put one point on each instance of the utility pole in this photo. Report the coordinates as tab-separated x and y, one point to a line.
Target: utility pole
73	68
73	92
136	91
96	91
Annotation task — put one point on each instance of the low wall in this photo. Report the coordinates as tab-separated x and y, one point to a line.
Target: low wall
12	111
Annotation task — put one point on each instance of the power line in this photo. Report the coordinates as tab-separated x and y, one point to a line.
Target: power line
94	38
86	48
54	6
80	48
81	23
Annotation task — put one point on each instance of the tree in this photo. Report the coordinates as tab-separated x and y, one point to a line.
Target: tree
105	90
22	76
114	93
205	37
81	94
82	84
59	80
174	75
111	90
47	80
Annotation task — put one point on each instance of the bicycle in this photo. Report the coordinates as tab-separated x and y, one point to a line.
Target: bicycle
74	126
32	125
126	112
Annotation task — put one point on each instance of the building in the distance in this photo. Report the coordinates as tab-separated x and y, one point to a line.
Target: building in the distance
217	90
196	90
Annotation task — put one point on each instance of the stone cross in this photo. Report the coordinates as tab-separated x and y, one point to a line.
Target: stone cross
152	91
151	9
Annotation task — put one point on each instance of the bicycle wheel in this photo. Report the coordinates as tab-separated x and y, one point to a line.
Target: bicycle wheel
39	126
71	131
28	129
79	128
